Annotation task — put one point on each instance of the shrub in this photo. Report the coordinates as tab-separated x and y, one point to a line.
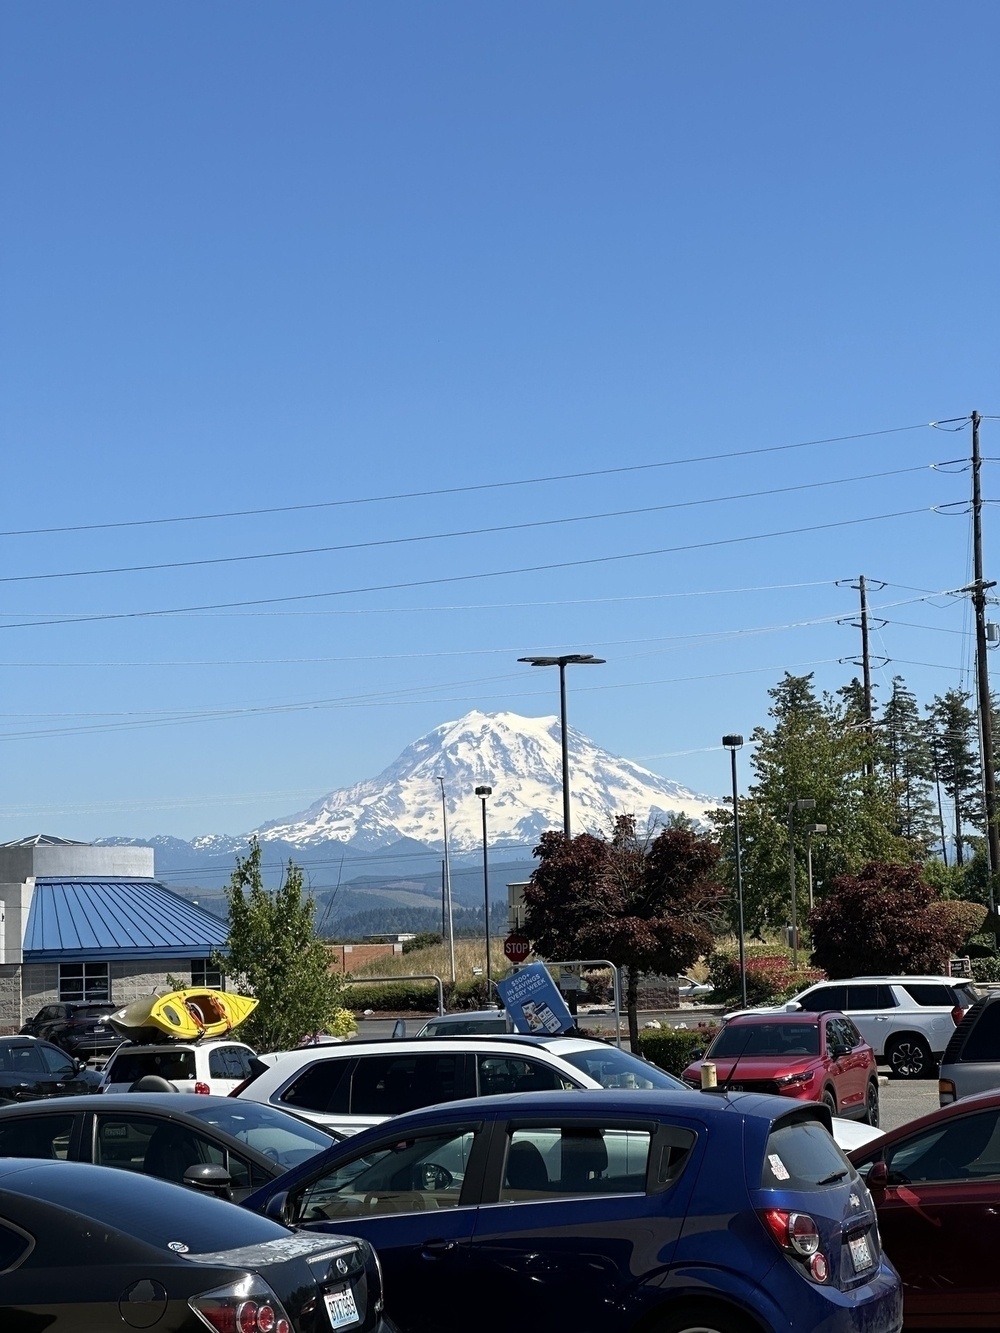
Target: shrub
427	939
770	976
986	969
406	996
672	1048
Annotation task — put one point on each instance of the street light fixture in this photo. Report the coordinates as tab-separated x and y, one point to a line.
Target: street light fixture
810	830
483	793
732	744
568	659
805	803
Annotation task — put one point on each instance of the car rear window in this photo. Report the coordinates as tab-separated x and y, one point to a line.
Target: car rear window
803	1156
983	1042
91	1010
780	1039
127	1066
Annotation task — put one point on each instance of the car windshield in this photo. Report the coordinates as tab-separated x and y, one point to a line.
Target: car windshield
285	1139
780	1040
612	1068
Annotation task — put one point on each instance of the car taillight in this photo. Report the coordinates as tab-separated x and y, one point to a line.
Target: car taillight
957	1014
248	1306
203	1087
946	1092
798	1235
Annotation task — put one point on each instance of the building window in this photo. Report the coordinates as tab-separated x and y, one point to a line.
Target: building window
204	974
84	981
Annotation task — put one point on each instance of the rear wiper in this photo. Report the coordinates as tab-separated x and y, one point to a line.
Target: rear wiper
833	1176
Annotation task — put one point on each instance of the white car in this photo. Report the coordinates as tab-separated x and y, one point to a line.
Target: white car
693	990
217	1067
361	1083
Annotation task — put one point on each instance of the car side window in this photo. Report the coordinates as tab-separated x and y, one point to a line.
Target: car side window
930	994
14	1246
966	1148
57	1061
561	1160
983	1042
390	1084
852	1037
834	1035
323	1086
161	1148
825	997
36	1136
408	1176
21	1060
500	1074
865	997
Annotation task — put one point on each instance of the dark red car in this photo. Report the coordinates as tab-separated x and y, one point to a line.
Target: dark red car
935	1184
814	1057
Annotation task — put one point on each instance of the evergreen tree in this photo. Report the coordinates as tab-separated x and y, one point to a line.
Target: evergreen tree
908	757
954	733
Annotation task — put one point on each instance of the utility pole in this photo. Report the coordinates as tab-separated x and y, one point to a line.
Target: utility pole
865	661
978	589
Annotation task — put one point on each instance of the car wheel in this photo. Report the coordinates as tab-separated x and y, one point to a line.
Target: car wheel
909	1057
703	1319
873	1111
830	1101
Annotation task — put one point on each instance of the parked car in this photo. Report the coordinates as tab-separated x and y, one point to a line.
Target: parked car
907	1021
164	1135
971	1061
606	1212
693	990
935	1183
813	1057
31	1068
84	1248
211	1067
80	1029
359	1084
471	1023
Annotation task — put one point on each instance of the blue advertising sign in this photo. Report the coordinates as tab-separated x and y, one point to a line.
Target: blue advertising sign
533	1002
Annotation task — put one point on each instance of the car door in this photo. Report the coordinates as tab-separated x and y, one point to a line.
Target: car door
847	1052
23	1076
62	1071
415	1200
939	1216
165	1148
51	1136
871	1007
574	1210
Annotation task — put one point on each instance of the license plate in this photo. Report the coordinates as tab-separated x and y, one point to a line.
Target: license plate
341	1307
861	1254
99	1028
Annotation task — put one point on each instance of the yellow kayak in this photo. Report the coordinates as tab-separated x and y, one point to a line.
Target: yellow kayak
185	1014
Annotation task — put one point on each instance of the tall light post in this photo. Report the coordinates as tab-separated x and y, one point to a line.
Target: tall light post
568	659
447	881
483	793
732	744
806	803
810	830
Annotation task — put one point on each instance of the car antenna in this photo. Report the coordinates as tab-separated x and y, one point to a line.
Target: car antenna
724	1085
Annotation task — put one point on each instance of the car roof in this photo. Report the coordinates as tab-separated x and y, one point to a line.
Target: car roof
114	1101
462	1014
559	1045
792	1016
128	1047
980	1101
893	979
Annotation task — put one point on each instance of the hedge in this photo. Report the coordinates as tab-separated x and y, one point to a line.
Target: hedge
672	1048
415	996
770	975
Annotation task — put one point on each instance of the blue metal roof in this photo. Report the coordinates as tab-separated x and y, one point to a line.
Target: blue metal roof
88	920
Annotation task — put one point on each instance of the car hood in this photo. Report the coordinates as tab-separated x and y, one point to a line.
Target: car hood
750	1068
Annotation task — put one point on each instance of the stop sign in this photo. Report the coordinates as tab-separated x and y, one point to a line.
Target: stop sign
517	948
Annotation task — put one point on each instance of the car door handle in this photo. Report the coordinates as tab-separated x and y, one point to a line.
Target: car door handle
434	1249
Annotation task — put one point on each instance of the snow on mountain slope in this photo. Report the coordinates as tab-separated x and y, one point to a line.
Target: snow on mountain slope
520	758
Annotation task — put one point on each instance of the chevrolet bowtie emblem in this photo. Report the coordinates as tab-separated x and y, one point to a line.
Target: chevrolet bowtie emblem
854	1201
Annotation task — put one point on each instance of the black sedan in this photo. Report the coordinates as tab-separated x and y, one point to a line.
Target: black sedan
30	1069
83	1248
166	1135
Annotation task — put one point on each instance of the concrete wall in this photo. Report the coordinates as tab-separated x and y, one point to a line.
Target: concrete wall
75	859
15	904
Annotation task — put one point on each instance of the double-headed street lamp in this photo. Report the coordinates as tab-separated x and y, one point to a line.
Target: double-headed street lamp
732	744
568	659
805	803
483	793
810	830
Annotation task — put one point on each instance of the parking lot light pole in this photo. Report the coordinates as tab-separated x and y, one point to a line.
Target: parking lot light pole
483	793
447	881
568	659
806	803
732	744
810	830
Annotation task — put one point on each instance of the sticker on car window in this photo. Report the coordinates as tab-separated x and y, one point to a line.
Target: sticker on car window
778	1168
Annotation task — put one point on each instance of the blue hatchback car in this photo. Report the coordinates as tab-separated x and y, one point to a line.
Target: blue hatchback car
606	1212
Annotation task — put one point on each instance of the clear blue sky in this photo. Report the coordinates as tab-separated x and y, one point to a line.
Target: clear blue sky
272	255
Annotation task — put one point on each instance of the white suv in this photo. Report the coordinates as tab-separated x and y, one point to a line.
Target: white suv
215	1067
908	1021
361	1083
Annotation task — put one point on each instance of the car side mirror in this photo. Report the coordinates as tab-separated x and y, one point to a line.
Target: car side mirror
280	1208
793	1007
399	1030
211	1178
697	1054
878	1176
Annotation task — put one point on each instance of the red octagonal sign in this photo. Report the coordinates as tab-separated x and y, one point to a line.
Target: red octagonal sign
517	948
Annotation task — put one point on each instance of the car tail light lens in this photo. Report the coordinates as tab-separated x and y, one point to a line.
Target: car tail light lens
203	1087
798	1235
248	1306
946	1092
957	1014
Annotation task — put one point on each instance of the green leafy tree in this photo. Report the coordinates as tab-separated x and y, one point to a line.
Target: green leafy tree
954	733
647	904
273	953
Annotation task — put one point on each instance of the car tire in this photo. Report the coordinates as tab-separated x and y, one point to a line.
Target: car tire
873	1113
829	1101
703	1318
909	1057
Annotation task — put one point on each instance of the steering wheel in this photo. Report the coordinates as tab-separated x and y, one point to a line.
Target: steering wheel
271	1154
436	1177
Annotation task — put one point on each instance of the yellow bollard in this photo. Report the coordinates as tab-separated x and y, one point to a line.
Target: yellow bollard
709	1078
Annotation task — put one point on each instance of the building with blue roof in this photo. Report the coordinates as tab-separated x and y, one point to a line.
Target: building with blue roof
83	922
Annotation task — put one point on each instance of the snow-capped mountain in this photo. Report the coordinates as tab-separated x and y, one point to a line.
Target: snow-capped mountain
520	758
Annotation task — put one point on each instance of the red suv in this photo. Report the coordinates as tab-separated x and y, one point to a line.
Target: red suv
814	1057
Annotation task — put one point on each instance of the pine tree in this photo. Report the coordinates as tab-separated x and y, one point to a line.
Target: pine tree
908	757
954	738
